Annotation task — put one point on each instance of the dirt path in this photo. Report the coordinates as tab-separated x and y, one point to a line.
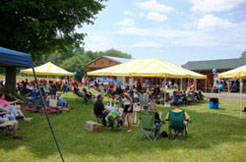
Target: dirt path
235	96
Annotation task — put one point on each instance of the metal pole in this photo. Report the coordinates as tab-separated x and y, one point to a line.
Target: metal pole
165	91
181	83
47	116
240	98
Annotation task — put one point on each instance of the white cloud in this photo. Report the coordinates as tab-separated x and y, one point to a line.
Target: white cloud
141	14
154	32
128	13
166	37
153	5
210	22
97	42
214	5
127	22
155	16
145	44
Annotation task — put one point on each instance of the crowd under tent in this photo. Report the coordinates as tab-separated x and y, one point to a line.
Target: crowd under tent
148	68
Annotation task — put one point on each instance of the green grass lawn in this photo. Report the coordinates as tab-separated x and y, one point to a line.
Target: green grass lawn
214	135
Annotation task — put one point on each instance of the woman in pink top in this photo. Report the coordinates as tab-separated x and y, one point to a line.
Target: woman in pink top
14	109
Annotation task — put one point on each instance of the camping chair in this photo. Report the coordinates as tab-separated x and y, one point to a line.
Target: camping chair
144	100
177	124
53	103
5	126
147	125
190	98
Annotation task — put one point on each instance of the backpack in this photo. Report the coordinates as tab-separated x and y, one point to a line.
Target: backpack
164	134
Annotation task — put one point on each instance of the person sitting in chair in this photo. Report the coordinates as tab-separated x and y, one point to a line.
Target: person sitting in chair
87	94
174	116
158	116
13	124
14	110
99	109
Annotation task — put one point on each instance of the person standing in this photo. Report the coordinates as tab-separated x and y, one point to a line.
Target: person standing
125	101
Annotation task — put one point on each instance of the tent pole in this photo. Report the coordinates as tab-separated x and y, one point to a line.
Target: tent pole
241	86
206	84
195	80
181	83
165	91
46	114
228	86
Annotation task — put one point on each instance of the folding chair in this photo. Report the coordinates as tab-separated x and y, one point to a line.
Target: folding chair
147	125
53	103
144	100
177	124
6	125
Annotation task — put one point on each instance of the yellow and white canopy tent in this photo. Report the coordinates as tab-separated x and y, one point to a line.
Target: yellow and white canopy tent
238	73
147	68
48	69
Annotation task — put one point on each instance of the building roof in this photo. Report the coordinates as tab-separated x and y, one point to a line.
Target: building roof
225	64
116	59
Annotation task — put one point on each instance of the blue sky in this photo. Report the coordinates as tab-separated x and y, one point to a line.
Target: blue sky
176	31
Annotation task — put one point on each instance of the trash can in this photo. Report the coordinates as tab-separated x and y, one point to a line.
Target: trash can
213	103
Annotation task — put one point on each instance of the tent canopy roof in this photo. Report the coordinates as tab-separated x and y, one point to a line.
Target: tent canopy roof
147	68
14	58
48	69
238	73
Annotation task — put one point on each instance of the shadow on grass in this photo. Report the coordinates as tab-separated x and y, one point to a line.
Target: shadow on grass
209	129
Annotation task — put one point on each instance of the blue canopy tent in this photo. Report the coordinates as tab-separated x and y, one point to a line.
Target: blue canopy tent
12	59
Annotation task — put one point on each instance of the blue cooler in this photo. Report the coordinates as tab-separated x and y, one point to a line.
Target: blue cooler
213	103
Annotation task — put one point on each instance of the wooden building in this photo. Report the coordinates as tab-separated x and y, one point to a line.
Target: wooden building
206	67
104	62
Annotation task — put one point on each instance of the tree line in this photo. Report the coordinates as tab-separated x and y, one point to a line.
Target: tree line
74	59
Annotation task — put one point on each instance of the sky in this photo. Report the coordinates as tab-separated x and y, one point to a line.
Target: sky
176	31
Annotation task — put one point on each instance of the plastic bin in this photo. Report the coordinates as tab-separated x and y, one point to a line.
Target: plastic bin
213	103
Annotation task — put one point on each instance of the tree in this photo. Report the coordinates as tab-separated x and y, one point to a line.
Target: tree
81	58
38	27
43	26
243	54
58	56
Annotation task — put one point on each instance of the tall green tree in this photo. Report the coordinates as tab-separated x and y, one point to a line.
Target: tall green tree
243	54
81	58
40	27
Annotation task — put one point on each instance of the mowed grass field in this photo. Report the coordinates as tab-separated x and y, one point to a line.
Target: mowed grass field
214	135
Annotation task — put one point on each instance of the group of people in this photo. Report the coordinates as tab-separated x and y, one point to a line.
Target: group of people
9	113
126	101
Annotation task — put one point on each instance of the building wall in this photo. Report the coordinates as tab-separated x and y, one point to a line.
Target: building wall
100	63
201	84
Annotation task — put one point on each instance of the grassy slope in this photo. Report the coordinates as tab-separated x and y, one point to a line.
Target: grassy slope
215	135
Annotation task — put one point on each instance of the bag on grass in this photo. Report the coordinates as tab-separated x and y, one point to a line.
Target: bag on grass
164	134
